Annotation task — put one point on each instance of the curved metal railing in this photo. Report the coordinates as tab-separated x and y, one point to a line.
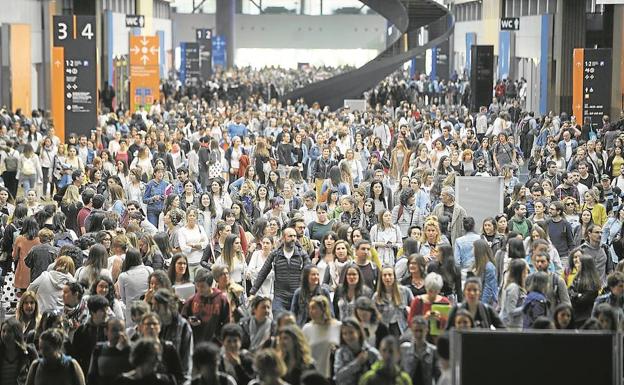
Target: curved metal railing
405	15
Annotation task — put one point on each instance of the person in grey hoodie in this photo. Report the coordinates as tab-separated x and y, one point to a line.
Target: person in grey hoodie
49	285
594	248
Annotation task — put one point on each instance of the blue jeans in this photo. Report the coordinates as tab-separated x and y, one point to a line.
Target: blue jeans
28	182
152	216
279	306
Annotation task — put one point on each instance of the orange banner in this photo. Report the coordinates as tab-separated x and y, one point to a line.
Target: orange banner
144	71
21	67
58	91
577	84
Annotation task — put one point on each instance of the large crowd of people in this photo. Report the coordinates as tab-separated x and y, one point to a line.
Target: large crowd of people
244	240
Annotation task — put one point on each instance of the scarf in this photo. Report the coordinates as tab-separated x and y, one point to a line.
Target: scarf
258	333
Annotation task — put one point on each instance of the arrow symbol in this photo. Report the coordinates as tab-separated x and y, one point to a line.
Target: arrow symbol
135	50
57	63
144	40
144	59
578	64
154	50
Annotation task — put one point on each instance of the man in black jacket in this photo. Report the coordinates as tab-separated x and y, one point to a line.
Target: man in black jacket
288	262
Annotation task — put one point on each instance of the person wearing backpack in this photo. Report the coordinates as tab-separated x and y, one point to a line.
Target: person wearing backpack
29	172
11	161
536	304
54	367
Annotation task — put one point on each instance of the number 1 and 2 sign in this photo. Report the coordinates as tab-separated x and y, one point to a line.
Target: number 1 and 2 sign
74	75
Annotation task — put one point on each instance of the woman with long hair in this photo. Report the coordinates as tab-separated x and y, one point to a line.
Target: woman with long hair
28	168
415	280
378	195
483	268
368	218
274	184
489	234
193	240
189	196
342	255
233	257
207	214
310	287
133	280
161	239
392	301
27	311
574	266
513	294
103	285
258	258
178	272
322	333
349	291
325	255
431	237
8	236
355	356
295	352
386	238
172	201
215	245
29	237
597	209
135	188
444	264
15	355
584	290
399	157
241	215
563	317
586	221
444	167
262	203
221	199
94	266
150	252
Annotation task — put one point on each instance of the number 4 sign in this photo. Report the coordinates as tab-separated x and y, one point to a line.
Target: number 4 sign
74	75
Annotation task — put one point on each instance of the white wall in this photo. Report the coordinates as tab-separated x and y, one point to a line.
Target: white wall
528	38
281	39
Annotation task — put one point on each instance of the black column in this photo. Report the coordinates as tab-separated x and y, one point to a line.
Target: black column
225	27
573	26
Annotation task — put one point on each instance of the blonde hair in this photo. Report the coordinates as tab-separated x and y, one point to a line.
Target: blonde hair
72	195
65	265
431	222
323	303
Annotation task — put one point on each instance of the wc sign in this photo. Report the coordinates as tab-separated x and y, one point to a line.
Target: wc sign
510	24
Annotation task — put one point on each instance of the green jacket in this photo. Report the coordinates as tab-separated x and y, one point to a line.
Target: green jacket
377	376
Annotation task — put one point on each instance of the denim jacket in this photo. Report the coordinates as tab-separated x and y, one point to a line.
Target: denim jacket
347	369
153	189
429	364
464	251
